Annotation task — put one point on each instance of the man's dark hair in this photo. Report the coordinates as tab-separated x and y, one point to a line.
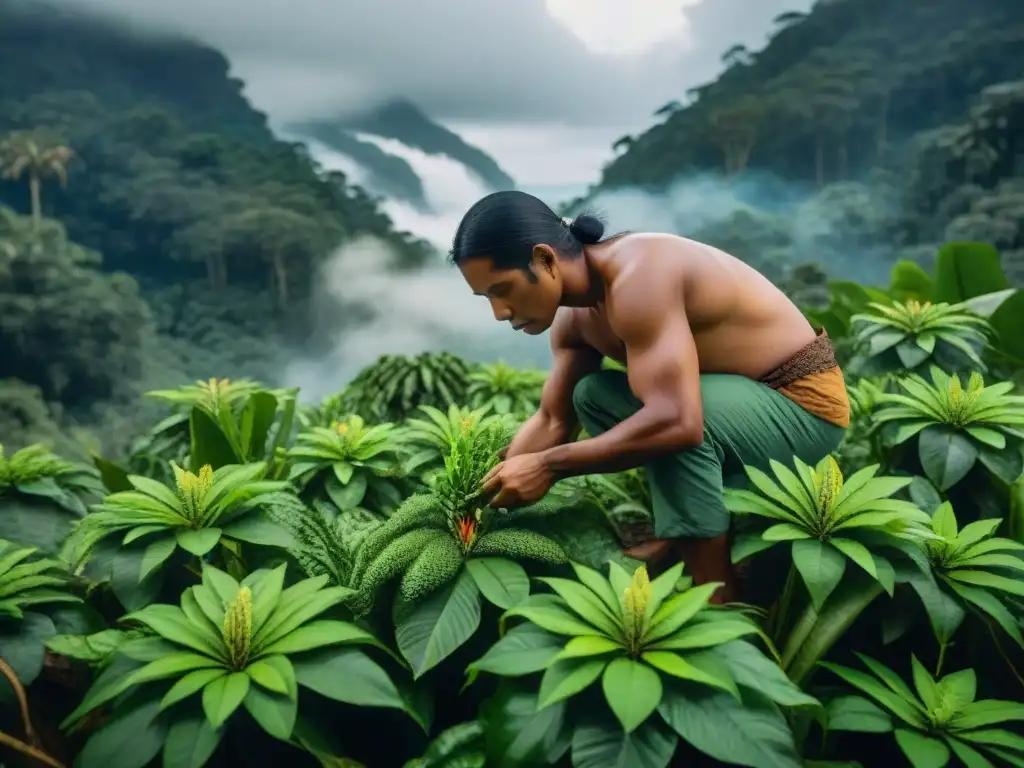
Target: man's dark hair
505	227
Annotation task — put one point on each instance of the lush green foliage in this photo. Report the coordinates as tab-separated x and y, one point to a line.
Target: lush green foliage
251	582
256	570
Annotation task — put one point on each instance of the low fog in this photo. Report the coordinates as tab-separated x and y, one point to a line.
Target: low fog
364	310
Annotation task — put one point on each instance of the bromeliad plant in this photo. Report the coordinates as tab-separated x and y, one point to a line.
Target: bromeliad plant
448	547
355	465
504	390
828	522
957	427
26	582
229	645
933	722
200	512
904	337
670	666
234	422
974	571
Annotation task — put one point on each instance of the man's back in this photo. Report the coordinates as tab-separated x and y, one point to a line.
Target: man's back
741	323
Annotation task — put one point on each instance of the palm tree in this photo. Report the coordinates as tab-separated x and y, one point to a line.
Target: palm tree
22	154
734	128
787	19
736	55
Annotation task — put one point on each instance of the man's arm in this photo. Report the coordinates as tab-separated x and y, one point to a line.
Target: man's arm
555	421
645	310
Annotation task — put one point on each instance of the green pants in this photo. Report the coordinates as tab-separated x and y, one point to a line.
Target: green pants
745	423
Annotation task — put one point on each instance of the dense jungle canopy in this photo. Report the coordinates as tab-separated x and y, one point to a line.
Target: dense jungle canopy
153	230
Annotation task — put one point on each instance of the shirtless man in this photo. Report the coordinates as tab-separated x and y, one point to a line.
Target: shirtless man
722	369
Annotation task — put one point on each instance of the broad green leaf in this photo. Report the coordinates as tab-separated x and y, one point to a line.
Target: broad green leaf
191	741
198	541
752	732
632	690
679	609
274	712
348	675
603	745
751	668
552	614
589	645
190	684
223	696
265	672
821	566
567	678
677	666
156	554
855	713
131	740
502	581
430	630
517	733
525	649
946	456
587	605
922	751
319	634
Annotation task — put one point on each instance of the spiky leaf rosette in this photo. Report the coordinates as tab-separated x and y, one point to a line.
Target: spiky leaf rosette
230	645
431	437
448	549
431	535
27	584
391	388
356	465
975	571
43	496
505	390
670	666
904	337
196	514
957	427
933	721
26	580
828	521
209	394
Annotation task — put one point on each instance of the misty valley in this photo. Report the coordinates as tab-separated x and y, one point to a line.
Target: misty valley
246	408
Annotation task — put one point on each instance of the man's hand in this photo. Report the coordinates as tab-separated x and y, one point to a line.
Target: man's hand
518	481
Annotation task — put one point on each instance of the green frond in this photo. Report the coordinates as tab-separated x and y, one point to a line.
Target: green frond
520	544
436	565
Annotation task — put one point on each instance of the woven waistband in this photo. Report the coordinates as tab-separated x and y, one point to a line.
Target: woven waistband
816	357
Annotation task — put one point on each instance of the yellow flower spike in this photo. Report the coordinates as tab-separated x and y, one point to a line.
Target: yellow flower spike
237	629
341	427
192	489
830	483
955	388
635	599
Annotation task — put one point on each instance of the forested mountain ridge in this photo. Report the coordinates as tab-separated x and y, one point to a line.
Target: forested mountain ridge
864	132
832	92
143	164
405	122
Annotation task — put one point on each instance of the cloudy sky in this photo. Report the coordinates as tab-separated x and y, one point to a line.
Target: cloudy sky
544	85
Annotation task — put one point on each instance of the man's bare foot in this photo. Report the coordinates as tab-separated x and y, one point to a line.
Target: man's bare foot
650	551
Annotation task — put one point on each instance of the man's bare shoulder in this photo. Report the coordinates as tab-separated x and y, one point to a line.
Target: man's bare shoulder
650	264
